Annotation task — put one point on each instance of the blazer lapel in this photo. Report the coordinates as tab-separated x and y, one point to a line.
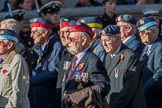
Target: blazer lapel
83	60
115	60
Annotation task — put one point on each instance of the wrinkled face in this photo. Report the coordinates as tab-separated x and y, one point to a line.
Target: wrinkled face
54	17
124	29
110	7
111	43
38	35
74	43
27	5
147	36
4	47
64	33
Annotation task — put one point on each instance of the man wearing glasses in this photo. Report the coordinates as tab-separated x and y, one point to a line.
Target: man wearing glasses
123	69
86	70
44	75
151	60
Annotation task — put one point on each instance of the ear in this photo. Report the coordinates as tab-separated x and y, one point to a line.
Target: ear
45	32
84	40
10	45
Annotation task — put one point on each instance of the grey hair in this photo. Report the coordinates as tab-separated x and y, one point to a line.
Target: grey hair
11	24
86	35
155	29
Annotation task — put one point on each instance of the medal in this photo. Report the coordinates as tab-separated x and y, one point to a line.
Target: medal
77	77
116	72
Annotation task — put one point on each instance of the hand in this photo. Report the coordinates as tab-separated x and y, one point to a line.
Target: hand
67	99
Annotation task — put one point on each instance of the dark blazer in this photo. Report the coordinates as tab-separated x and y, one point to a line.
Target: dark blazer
43	84
63	68
135	44
124	72
152	75
96	74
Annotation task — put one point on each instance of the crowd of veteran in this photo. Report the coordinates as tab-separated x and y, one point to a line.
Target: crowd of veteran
107	61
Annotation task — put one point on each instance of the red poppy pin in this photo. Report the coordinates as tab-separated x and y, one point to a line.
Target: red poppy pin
80	66
121	57
4	71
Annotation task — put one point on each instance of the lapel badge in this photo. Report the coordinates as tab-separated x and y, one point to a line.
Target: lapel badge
4	71
121	57
80	66
116	72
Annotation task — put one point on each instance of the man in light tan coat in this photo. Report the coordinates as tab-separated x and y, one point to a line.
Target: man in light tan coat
14	73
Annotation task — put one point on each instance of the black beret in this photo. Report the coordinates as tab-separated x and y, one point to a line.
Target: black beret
110	30
126	18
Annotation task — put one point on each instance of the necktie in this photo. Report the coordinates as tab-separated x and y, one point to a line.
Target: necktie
145	51
74	62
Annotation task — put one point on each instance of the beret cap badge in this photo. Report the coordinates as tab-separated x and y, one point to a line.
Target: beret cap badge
142	22
1	32
103	32
83	21
35	20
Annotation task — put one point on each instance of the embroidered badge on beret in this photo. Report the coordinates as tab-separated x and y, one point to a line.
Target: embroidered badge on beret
142	22
1	32
103	32
35	20
83	21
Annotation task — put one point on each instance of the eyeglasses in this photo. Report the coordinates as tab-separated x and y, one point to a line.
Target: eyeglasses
36	31
72	39
64	32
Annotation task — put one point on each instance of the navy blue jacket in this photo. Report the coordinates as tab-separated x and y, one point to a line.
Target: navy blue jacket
43	84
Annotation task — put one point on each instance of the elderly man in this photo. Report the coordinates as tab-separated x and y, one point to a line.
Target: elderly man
129	36
96	25
123	68
151	60
44	75
24	35
14	73
86	70
66	56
